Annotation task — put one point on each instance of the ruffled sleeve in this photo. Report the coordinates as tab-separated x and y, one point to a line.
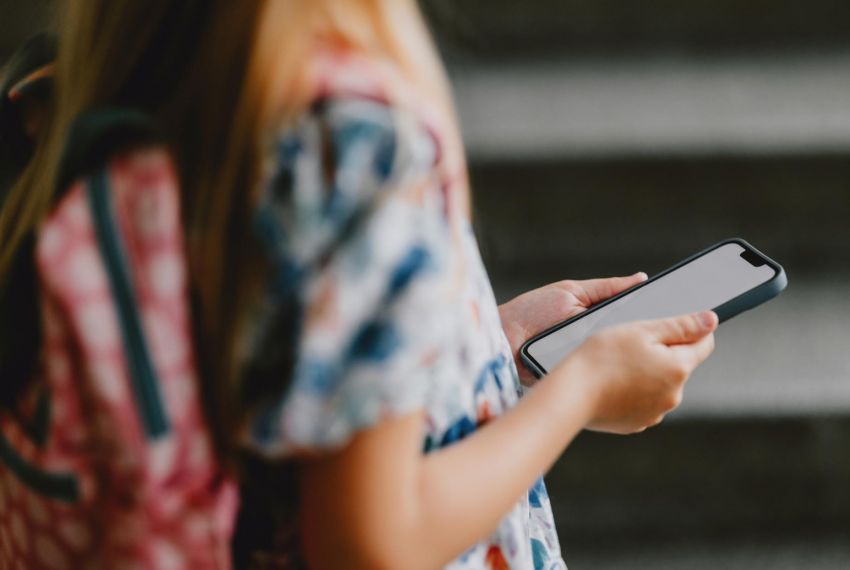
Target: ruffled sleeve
360	246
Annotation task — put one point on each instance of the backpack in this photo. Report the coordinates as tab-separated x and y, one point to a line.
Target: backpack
107	462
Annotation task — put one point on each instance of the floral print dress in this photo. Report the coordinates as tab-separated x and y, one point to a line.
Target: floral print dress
364	233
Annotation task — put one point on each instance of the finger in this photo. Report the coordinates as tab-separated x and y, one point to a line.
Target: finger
655	422
593	291
684	329
695	354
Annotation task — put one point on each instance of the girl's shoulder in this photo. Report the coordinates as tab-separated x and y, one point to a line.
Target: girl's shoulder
347	87
366	127
335	72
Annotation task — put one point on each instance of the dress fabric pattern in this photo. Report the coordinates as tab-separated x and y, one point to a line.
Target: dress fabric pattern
396	312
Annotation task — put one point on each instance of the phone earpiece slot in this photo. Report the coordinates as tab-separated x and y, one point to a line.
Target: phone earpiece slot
752	258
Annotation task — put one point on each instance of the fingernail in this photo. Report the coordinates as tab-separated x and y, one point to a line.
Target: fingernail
707	318
641	275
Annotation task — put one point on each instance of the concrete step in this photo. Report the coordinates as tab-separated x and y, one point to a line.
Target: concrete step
505	28
692	480
544	220
630	106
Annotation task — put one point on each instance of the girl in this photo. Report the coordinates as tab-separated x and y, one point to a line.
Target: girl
346	328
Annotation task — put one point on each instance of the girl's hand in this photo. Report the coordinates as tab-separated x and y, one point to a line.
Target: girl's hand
534	312
634	374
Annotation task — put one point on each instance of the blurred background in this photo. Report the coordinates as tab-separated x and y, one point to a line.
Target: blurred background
607	137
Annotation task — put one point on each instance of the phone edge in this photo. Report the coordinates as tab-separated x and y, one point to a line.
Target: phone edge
726	311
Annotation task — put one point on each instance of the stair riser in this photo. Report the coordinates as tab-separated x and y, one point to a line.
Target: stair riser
706	479
581	219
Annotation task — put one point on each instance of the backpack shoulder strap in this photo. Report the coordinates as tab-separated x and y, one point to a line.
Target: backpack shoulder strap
94	139
112	250
98	135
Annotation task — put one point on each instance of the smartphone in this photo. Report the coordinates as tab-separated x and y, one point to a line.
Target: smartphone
729	277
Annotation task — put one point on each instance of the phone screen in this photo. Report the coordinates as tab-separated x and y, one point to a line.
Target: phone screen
703	283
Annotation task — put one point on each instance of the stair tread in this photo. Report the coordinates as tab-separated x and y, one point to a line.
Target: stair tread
760	105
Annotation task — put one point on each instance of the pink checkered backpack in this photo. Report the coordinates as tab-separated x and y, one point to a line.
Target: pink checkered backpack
105	460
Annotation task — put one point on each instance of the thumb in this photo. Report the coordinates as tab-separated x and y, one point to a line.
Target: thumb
593	291
684	329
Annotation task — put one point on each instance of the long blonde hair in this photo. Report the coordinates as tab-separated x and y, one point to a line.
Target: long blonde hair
217	76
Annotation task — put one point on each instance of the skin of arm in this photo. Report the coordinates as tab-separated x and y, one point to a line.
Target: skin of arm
381	503
400	509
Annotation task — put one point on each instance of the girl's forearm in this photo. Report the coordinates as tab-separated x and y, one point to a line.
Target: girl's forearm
466	489
389	506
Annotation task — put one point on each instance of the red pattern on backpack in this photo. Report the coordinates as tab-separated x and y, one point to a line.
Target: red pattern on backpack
141	503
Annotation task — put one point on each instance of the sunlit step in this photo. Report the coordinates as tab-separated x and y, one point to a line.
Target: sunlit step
656	106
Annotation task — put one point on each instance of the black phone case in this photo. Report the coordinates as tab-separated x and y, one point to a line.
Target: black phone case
744	302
